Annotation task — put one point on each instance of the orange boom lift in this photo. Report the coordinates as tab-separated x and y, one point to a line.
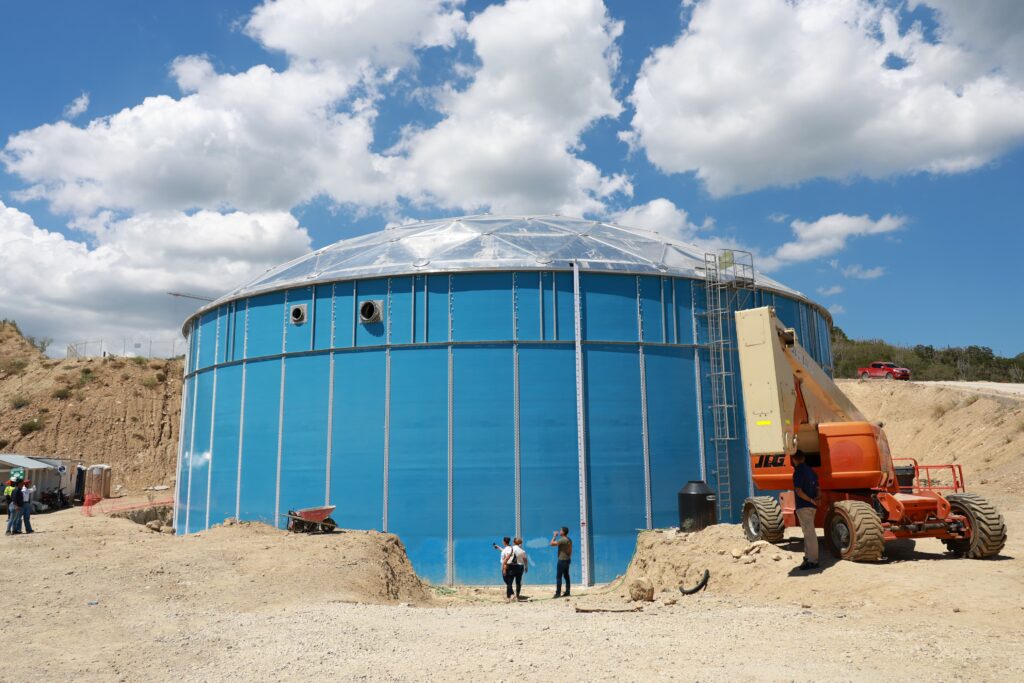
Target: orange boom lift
791	405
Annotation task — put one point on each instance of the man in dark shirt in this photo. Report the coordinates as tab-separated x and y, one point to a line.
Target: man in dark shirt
561	540
805	488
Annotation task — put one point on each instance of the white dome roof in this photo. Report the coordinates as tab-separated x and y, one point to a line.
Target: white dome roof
486	242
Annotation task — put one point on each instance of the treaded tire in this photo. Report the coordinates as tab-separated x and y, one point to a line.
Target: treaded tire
864	539
988	529
762	519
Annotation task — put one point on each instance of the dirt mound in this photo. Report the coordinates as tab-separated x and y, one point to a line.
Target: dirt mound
119	411
760	573
235	567
156	517
938	424
670	559
350	566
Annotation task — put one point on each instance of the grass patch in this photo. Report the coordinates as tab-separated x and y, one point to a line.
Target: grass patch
33	425
139	360
19	402
149	382
940	410
161	377
13	366
84	377
61	394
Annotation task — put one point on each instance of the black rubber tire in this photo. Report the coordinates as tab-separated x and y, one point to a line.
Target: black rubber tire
864	536
762	519
888	375
988	528
328	525
865	375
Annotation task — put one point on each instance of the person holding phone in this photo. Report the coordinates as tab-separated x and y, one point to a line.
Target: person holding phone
506	550
560	539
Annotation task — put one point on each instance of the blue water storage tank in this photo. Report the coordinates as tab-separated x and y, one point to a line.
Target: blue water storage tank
460	380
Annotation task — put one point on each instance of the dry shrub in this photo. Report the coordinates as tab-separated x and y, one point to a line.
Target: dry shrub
33	425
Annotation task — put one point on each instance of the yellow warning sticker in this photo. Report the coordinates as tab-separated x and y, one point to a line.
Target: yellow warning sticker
763	423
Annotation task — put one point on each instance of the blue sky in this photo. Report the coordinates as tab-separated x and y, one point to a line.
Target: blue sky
869	154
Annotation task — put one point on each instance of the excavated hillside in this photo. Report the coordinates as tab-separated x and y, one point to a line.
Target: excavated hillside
118	411
972	425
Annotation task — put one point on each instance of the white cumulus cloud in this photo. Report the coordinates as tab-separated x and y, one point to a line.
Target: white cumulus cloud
989	30
830	291
662	216
859	272
353	33
258	140
77	106
827	236
758	93
508	140
115	283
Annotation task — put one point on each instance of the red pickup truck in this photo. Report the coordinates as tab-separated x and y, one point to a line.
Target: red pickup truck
883	370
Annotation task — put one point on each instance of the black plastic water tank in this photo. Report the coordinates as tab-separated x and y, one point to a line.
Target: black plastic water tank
698	507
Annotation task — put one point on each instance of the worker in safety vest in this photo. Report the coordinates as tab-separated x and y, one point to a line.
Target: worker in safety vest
13	521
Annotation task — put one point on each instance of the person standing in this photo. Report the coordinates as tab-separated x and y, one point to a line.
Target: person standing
560	539
17	498
518	563
805	489
506	551
28	494
26	505
9	490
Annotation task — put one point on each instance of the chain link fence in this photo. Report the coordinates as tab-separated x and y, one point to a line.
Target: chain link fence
127	347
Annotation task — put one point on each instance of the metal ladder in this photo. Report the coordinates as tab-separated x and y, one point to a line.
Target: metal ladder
728	286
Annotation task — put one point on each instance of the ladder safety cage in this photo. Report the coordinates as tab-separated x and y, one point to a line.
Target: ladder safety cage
728	287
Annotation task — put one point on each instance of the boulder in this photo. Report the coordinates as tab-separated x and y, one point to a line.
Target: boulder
641	590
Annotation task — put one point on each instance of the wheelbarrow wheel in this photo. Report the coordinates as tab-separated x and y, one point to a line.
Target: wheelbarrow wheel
328	525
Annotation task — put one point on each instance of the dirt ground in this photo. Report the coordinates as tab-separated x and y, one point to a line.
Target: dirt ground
101	599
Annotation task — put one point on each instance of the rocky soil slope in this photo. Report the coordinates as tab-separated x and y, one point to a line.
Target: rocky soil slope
118	411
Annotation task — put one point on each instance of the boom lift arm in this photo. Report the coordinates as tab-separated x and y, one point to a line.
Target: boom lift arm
783	388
